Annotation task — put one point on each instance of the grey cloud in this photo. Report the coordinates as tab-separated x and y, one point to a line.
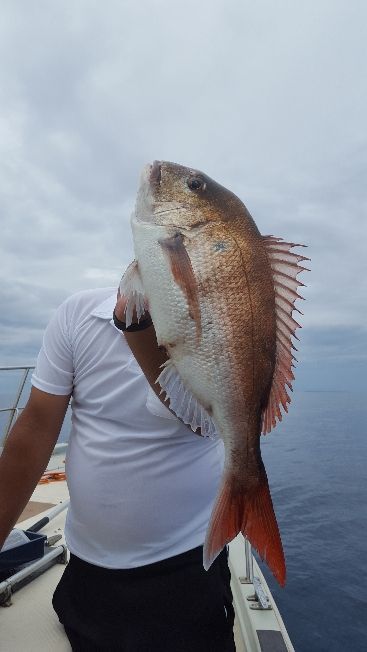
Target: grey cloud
267	98
332	358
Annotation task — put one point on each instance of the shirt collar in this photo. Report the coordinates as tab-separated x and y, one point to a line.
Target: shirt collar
105	309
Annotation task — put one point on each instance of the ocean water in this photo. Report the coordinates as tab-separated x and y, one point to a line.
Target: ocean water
9	385
316	461
317	467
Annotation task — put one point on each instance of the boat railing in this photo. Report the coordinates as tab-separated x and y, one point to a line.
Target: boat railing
16	403
14	408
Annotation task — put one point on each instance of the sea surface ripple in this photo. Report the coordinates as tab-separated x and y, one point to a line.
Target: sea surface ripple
316	461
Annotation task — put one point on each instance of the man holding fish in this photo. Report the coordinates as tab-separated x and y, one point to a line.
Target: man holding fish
153	501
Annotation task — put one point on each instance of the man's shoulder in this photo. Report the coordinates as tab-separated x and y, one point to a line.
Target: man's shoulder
81	304
92	297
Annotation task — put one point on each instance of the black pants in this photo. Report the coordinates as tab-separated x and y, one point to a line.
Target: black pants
169	606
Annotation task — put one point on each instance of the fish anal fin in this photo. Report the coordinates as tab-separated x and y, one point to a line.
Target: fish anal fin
249	512
131	287
183	275
285	267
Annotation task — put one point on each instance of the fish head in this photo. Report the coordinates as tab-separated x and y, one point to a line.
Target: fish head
175	195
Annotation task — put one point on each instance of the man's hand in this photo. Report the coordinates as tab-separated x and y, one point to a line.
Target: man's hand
120	309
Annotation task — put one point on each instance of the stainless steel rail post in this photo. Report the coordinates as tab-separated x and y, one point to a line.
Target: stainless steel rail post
14	409
249	572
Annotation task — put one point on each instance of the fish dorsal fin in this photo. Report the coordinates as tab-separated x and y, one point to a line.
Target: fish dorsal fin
285	268
131	288
183	403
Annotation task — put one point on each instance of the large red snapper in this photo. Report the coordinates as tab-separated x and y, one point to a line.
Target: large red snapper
221	297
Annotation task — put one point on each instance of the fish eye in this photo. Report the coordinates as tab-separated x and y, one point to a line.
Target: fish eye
195	183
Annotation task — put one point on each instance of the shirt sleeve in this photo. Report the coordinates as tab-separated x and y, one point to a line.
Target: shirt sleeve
54	368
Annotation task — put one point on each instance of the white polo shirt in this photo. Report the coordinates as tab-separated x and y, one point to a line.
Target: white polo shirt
142	484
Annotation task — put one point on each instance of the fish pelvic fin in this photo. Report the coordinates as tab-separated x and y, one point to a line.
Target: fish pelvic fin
249	512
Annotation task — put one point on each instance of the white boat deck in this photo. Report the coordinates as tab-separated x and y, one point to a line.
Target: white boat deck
31	624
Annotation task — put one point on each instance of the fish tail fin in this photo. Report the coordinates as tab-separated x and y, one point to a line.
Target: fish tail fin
261	528
252	513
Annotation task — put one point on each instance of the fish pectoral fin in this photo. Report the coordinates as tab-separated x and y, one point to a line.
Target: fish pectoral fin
131	287
183	403
251	513
183	275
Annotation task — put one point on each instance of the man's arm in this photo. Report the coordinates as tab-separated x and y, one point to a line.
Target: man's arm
26	454
148	355
144	347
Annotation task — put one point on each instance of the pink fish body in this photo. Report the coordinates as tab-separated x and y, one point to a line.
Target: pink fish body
221	297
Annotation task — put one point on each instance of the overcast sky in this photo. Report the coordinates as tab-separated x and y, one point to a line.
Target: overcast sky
267	97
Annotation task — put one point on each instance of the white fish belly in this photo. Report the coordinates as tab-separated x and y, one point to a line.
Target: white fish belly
167	303
196	363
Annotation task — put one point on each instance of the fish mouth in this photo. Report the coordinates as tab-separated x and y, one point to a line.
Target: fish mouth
155	173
